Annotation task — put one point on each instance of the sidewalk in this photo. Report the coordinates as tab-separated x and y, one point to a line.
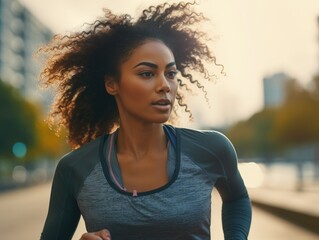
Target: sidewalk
299	207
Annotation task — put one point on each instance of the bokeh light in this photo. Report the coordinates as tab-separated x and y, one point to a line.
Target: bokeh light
252	174
19	174
19	149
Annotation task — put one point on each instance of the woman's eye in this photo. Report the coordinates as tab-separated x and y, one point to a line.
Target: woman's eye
171	74
146	74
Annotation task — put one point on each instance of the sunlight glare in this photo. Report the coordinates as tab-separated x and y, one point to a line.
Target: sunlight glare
252	174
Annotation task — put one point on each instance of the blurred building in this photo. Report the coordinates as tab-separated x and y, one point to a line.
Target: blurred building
275	89
20	35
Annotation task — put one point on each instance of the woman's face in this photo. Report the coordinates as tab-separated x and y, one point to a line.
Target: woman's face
147	87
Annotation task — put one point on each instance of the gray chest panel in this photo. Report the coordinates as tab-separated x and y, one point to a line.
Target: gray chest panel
165	214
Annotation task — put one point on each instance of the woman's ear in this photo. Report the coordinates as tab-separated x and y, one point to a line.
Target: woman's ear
110	85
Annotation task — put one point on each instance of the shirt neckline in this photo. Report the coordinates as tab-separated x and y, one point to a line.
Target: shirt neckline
171	134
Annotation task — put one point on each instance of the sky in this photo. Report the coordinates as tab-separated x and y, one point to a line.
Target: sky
252	39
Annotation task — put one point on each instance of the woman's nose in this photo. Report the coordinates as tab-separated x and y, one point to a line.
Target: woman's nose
163	84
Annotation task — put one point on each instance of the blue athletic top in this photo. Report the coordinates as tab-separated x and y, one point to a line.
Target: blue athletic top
88	182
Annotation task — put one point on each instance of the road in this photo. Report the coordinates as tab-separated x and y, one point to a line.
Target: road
22	213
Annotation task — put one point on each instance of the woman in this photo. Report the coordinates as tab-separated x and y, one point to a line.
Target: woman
132	176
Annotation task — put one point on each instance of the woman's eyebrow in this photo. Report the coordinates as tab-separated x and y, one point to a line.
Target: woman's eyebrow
152	65
170	64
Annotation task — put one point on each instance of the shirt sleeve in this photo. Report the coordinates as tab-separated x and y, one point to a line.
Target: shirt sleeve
236	209
215	154
64	214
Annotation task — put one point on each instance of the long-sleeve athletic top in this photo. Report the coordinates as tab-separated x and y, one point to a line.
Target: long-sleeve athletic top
88	182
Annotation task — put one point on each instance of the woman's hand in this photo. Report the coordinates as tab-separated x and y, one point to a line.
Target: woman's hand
100	235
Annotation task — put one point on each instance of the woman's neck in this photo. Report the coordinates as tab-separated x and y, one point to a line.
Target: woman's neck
140	140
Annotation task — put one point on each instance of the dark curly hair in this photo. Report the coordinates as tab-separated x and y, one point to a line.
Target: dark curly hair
78	63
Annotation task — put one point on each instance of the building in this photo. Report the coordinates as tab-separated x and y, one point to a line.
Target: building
275	89
20	36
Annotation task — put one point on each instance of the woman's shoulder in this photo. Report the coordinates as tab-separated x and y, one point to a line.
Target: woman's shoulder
206	137
82	156
74	167
208	147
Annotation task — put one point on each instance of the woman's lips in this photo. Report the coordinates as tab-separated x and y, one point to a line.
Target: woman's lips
162	104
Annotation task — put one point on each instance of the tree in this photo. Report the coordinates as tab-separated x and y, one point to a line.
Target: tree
298	118
273	130
254	137
22	121
242	135
17	120
48	144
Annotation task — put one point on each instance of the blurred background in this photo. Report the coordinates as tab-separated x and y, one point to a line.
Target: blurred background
267	104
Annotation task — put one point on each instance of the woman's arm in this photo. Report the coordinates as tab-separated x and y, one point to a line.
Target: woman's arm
236	209
215	154
64	214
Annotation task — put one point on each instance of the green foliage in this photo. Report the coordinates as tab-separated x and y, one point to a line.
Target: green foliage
297	123
48	144
271	131
253	137
22	121
17	120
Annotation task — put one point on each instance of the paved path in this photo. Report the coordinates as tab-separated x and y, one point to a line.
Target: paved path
265	226
299	207
22	213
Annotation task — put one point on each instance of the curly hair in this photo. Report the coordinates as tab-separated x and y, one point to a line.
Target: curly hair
78	63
